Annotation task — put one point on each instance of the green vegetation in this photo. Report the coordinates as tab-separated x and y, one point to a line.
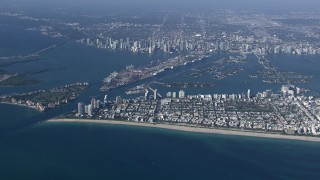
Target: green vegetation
19	80
52	96
48	99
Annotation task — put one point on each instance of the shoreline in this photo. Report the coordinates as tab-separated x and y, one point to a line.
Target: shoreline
21	105
192	129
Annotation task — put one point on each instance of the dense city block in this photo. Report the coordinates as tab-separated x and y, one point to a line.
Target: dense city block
288	112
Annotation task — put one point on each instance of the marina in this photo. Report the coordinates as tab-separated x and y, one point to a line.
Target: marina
175	92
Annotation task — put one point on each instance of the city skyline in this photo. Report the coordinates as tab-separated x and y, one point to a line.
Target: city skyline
172	89
100	5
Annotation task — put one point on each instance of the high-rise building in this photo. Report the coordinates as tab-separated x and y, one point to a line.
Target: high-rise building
105	100
291	92
155	94
165	48
169	94
277	49
110	42
313	130
81	110
232	96
90	108
181	46
135	44
146	94
181	94
285	89
217	46
249	94
174	95
298	90
224	96
114	45
98	104
128	41
222	46
267	93
289	49
93	103
86	109
118	100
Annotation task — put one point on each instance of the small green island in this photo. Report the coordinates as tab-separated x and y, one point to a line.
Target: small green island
17	80
43	100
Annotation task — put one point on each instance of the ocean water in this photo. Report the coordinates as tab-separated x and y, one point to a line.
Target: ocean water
95	151
32	149
65	64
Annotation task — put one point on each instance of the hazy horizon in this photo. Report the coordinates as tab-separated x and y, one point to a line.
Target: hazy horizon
101	5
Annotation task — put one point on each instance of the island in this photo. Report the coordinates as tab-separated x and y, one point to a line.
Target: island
17	80
271	74
43	100
131	74
290	114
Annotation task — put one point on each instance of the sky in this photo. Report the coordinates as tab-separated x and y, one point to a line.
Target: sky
165	4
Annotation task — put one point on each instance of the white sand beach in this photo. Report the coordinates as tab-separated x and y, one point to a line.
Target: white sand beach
193	129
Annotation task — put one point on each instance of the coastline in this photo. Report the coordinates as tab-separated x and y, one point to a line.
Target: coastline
192	129
21	105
